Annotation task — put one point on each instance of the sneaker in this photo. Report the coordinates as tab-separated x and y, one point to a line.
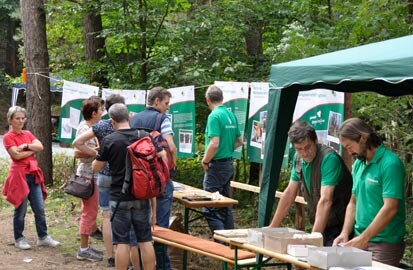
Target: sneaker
22	244
97	251
47	242
89	255
111	262
97	235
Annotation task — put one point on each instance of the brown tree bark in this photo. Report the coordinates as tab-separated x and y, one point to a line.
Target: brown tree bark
410	11
253	41
38	84
95	45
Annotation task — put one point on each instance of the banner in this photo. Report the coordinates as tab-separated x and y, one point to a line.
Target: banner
236	100
182	114
257	117
135	100
70	115
323	109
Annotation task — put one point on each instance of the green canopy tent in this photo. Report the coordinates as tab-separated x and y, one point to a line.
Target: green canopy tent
384	67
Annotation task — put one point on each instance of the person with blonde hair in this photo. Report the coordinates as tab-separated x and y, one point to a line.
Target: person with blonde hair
25	180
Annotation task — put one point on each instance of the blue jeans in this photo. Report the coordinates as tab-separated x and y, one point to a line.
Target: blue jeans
163	211
218	178
37	204
103	183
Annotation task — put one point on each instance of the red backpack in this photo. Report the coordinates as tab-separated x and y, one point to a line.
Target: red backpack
146	171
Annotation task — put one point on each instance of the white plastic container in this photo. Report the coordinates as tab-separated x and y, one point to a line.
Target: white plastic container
256	235
346	257
298	250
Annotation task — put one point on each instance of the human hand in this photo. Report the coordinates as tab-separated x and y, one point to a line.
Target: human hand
357	242
22	147
204	165
340	240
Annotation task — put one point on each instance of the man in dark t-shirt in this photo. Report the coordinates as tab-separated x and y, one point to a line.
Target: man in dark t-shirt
128	211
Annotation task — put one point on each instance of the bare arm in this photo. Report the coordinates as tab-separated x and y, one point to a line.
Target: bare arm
323	208
170	139
153	205
349	221
80	143
382	219
210	152
238	142
24	150
97	165
285	203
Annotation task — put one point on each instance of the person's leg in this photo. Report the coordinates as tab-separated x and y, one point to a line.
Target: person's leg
37	204
121	225
134	257
18	220
104	193
148	255
88	217
122	256
141	220
163	211
217	179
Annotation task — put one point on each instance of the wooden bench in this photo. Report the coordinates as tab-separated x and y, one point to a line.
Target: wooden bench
237	258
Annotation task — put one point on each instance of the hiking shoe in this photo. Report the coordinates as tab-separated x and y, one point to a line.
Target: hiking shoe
97	251
47	242
97	235
111	262
22	244
89	255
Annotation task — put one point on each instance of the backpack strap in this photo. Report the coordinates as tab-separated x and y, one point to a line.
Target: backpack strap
159	119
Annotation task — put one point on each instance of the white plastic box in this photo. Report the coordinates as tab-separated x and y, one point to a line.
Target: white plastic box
256	235
298	250
280	242
346	257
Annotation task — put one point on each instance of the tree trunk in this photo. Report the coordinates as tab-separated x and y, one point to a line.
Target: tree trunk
253	41
410	11
95	45
38	85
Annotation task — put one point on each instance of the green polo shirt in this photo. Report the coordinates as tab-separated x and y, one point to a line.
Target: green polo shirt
223	124
331	171
382	177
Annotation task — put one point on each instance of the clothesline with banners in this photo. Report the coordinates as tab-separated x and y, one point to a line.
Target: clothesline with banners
322	108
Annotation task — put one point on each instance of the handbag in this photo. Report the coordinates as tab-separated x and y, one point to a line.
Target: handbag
80	187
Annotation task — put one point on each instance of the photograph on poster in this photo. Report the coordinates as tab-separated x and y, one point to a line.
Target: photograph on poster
335	146
334	121
322	136
256	134
185	141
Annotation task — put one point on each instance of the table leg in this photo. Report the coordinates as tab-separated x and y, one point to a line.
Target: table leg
186	230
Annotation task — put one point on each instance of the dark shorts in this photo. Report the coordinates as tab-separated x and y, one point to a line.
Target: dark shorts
131	213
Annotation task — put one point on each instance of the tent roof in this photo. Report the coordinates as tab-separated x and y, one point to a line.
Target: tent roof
384	67
383	63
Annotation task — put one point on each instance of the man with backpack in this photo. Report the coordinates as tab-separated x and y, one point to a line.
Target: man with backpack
126	210
154	118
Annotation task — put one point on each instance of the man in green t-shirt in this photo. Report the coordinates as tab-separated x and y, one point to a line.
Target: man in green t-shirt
222	137
324	180
376	210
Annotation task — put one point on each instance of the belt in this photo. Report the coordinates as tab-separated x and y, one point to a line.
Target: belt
221	160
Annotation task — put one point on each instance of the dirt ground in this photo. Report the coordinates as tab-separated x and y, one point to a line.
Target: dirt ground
39	258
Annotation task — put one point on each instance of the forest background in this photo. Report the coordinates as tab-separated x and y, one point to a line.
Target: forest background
139	44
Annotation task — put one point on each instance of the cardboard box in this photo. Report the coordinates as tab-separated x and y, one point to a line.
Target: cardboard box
280	242
256	235
346	257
